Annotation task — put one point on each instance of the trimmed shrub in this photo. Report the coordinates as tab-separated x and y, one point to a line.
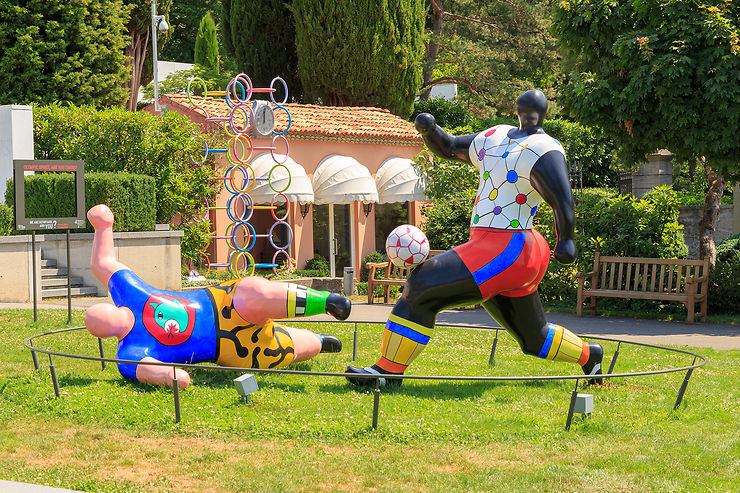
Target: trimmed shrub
371	257
116	140
318	264
6	220
724	278
448	114
131	197
613	224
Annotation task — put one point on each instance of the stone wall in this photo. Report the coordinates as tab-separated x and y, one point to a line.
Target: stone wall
656	172
689	216
152	255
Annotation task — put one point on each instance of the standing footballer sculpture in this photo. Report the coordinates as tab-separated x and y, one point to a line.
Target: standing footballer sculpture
505	259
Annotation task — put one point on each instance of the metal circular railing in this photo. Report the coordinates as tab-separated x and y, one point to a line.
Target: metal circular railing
29	344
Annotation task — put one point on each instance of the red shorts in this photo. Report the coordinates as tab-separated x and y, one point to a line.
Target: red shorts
504	261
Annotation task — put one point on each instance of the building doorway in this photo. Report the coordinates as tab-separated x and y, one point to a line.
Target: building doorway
387	218
333	232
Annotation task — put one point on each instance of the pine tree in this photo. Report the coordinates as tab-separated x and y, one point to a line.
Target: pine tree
361	52
260	36
66	51
206	44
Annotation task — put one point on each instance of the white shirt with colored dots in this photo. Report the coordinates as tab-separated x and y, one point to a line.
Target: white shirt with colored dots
506	198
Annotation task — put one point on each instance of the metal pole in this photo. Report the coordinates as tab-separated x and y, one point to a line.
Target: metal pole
69	283
491	359
102	353
157	108
354	344
176	388
682	390
573	397
54	377
376	406
33	264
614	359
34	358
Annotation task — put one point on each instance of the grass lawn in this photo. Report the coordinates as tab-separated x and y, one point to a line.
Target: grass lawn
302	433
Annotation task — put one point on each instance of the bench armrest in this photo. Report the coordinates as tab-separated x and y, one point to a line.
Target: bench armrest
371	265
691	280
584	274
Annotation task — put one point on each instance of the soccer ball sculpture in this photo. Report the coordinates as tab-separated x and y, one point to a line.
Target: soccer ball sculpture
407	246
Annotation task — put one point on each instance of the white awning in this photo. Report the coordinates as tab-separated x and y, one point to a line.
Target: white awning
300	189
399	181
343	179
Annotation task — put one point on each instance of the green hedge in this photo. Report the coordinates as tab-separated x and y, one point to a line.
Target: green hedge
131	197
724	279
116	140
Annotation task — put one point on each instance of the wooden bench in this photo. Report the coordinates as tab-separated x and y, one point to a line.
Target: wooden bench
685	281
392	276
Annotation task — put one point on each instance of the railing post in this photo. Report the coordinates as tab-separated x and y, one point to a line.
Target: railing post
614	359
573	397
376	406
102	353
34	358
54	377
685	383
492	357
176	389
354	344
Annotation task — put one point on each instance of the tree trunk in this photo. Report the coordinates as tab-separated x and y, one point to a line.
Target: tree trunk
438	12
136	51
708	223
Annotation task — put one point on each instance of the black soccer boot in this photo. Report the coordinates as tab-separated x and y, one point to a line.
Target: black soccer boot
338	306
593	365
330	344
372	382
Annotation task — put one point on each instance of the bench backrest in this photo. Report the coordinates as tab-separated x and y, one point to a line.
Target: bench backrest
657	275
391	271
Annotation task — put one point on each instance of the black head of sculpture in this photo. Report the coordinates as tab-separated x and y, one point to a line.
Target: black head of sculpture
531	108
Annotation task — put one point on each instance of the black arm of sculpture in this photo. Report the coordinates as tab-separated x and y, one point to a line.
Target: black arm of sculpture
440	142
550	178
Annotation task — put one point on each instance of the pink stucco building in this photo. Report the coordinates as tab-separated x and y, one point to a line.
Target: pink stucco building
352	179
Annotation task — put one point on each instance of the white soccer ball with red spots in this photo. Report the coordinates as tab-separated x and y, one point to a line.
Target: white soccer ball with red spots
407	246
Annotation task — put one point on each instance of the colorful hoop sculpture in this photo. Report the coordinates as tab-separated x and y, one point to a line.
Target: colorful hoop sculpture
239	151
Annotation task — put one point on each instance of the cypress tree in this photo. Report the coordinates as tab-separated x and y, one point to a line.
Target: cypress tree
361	52
66	51
206	44
260	36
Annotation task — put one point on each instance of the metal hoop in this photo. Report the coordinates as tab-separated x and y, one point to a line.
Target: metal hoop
272	97
246	168
290	235
232	143
290	120
243	78
249	122
205	151
269	179
287	259
273	207
205	90
249	234
274	148
234	264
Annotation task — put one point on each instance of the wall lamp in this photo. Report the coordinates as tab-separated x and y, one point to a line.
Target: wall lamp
304	207
367	208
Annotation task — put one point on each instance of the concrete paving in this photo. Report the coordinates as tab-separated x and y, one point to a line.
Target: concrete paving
14	487
715	336
675	333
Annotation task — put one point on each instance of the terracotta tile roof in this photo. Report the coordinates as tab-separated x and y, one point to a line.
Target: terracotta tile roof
308	121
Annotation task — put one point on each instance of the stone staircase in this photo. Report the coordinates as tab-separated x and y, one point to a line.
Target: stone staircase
54	281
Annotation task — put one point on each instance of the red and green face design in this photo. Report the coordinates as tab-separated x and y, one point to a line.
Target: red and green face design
169	319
